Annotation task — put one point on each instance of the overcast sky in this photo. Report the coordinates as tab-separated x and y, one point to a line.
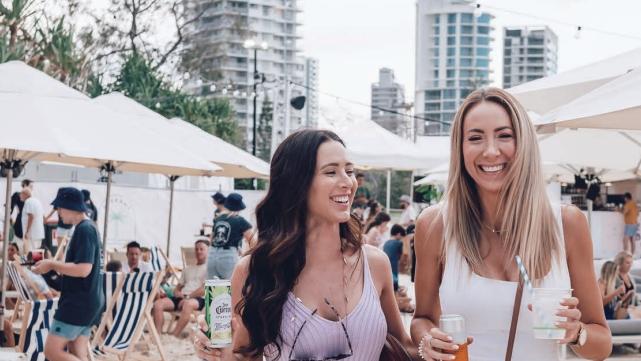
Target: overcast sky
354	38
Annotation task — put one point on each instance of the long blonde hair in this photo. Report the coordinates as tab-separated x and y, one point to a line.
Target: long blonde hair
528	225
620	258
609	273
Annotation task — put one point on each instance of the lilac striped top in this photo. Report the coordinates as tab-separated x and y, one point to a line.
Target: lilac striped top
322	338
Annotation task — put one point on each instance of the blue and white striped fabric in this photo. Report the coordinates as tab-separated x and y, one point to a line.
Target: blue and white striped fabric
19	283
130	307
110	282
38	323
157	261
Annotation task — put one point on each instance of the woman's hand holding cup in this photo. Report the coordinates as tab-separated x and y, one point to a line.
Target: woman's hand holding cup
436	343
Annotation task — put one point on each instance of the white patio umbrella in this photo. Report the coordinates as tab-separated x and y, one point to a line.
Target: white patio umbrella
615	105
43	119
234	161
616	154
545	94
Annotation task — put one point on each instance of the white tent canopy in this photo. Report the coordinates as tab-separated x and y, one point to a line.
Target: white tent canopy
234	161
545	94
615	105
371	146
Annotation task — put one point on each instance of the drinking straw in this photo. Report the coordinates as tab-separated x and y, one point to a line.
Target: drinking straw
530	288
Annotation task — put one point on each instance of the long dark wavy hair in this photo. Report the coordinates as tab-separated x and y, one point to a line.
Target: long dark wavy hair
279	255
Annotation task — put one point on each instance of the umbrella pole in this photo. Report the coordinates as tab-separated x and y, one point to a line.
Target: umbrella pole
389	190
110	170
5	243
172	181
412	186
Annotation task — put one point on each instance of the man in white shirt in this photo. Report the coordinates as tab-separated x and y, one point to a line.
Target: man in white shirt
33	227
408	216
188	295
134	259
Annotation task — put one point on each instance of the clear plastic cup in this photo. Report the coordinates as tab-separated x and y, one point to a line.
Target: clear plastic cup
545	304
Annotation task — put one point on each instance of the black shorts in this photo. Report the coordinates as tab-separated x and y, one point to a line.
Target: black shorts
176	301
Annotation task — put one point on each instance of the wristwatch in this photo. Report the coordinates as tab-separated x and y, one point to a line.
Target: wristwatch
581	338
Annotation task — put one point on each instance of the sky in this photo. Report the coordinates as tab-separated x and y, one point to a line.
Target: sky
352	39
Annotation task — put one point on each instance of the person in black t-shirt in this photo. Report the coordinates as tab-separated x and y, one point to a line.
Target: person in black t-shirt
16	202
227	238
81	299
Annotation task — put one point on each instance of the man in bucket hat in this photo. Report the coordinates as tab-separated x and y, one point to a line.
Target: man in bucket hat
81	299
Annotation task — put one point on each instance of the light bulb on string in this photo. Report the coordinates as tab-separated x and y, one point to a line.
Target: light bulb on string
577	34
224	91
477	10
212	88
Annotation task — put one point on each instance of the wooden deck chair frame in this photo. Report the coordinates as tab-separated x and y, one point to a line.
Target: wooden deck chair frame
168	266
145	321
23	284
62	248
188	254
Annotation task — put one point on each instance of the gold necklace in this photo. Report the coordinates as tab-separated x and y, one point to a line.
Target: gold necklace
492	229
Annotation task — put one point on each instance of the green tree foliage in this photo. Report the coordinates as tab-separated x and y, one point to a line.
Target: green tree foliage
139	81
85	59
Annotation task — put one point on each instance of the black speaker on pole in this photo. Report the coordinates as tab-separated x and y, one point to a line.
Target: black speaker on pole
298	103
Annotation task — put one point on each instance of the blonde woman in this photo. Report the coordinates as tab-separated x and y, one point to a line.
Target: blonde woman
496	208
609	292
629	297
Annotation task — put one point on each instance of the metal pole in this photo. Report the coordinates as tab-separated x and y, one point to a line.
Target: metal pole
389	190
172	180
110	170
287	106
412	187
5	243
255	96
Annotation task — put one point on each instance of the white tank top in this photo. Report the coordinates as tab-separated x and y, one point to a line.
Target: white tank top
487	305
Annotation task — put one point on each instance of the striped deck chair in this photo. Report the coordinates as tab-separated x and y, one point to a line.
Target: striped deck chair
110	283
36	328
133	300
160	262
